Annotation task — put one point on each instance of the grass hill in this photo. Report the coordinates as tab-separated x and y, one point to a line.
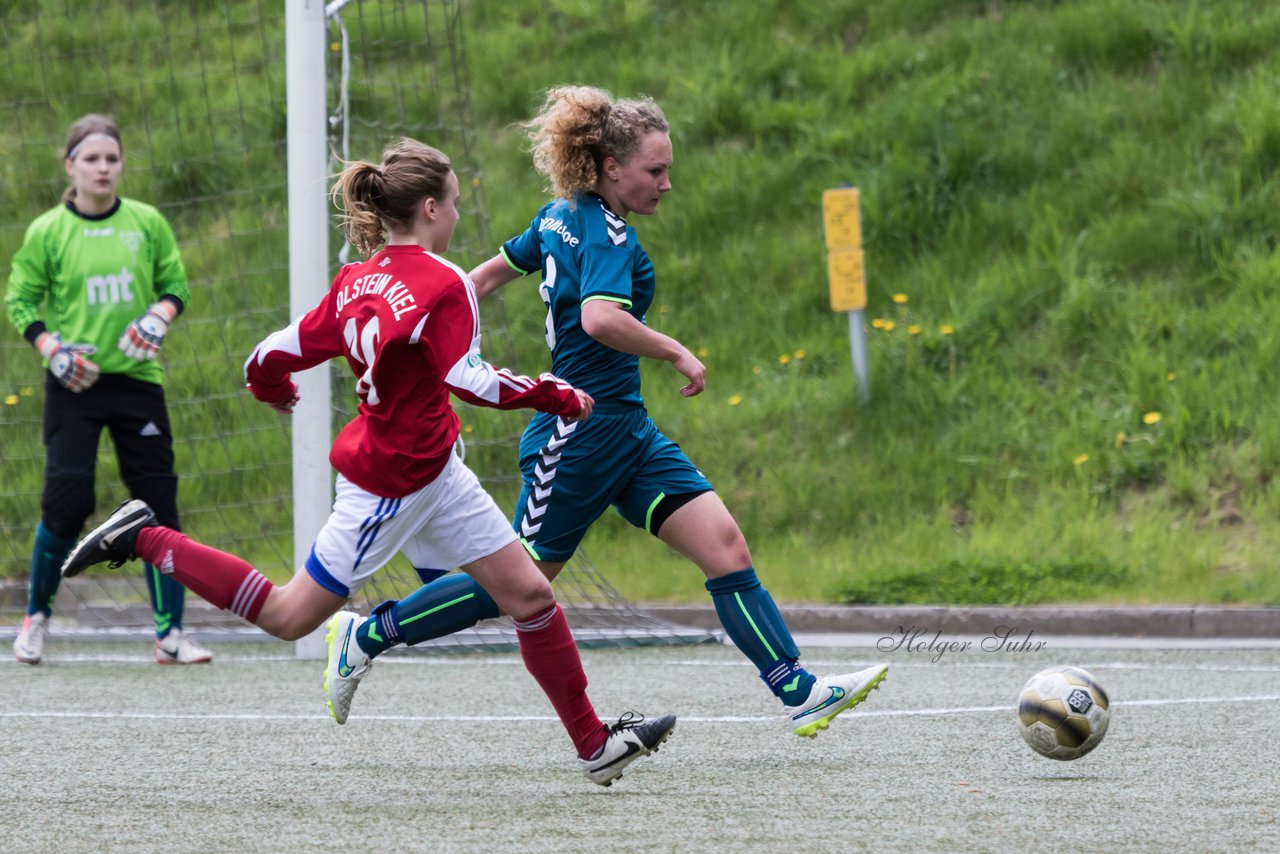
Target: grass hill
1071	213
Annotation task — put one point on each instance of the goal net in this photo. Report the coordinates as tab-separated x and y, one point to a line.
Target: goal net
199	91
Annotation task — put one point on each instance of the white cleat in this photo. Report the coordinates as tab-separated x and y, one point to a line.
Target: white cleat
348	663
179	647
832	695
28	646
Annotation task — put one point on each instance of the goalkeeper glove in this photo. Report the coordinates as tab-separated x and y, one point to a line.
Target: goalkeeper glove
68	362
144	336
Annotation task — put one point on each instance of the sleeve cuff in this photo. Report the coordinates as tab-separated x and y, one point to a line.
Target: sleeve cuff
34	331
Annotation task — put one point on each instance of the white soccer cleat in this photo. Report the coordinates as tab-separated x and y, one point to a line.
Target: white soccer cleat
832	695
28	646
348	663
629	739
179	647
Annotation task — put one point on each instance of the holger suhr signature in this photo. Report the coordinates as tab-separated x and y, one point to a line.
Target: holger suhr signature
1001	639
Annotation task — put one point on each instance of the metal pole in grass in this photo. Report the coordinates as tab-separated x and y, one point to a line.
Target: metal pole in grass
307	150
847	274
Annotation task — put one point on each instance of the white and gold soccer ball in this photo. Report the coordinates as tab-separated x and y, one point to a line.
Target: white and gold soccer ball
1063	712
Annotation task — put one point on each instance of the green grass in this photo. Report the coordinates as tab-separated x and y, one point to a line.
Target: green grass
1079	201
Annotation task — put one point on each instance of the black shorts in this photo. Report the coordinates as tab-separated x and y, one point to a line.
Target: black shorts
135	414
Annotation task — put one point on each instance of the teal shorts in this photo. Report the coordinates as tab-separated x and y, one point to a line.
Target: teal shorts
573	472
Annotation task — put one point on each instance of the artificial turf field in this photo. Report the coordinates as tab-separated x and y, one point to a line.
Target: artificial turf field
105	751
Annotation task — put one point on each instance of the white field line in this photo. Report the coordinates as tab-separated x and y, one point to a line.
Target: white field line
877	713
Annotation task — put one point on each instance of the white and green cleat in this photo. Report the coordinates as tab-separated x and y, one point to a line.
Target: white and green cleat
832	695
348	663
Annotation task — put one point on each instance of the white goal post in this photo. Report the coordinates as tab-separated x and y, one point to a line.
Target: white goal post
308	134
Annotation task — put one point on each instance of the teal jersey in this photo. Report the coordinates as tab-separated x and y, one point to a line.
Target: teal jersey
95	276
586	252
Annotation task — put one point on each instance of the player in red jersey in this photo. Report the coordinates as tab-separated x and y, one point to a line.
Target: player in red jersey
407	324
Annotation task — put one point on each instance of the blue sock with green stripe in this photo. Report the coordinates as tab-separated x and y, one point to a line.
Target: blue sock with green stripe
752	621
446	605
167	599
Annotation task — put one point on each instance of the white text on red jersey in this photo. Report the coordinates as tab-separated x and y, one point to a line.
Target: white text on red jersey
397	294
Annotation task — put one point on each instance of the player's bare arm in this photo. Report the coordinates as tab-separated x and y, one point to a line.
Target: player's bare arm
491	275
610	324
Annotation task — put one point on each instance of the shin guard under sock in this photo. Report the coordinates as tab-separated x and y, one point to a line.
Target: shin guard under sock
551	656
47	554
752	621
222	579
446	605
167	598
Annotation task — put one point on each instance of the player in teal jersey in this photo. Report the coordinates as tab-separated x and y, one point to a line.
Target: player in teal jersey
108	273
607	160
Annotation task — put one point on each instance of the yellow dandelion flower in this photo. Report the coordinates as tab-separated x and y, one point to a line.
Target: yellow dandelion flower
784	359
734	400
702	352
947	329
664	309
11	400
467	429
913	329
878	323
1151	418
1121	439
27	391
336	47
799	354
900	299
756	370
1081	459
1171	376
888	326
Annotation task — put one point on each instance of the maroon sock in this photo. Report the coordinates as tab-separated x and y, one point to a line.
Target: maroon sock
551	656
220	578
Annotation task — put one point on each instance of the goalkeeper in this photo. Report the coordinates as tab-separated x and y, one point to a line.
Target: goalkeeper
108	272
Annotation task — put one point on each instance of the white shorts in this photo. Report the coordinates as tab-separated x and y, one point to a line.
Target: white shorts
449	523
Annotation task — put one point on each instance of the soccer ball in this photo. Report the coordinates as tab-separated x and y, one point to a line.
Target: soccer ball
1063	712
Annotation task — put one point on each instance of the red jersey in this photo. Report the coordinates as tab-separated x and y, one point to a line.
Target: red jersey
407	323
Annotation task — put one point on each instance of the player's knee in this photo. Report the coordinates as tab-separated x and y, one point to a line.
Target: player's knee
531	598
726	551
287	626
65	505
290	632
735	548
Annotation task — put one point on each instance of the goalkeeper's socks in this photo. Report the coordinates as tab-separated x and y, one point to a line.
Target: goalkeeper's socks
166	599
222	579
446	605
551	657
752	621
47	555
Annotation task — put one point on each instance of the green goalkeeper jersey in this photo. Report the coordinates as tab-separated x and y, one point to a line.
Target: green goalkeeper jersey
96	276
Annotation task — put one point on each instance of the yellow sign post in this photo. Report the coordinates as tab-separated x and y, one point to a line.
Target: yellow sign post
846	272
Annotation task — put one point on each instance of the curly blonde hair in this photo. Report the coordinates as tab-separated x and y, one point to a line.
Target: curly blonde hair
579	126
376	197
